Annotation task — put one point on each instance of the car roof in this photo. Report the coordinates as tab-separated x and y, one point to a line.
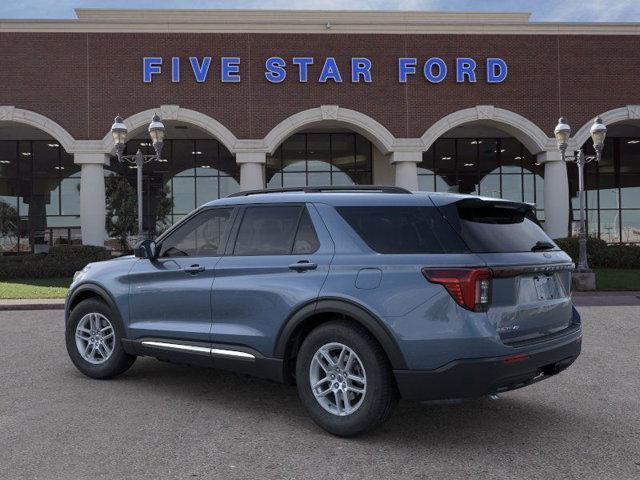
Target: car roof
330	198
346	198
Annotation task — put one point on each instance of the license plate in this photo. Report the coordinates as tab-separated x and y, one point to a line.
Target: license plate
546	287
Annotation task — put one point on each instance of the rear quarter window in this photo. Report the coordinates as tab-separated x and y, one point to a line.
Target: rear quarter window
403	230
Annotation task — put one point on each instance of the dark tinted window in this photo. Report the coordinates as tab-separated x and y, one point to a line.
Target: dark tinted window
306	238
403	229
499	228
200	236
267	230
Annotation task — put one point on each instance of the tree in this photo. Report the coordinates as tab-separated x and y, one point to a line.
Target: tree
122	210
9	222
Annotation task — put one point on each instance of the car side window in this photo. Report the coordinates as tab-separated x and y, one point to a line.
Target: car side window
306	238
272	230
200	236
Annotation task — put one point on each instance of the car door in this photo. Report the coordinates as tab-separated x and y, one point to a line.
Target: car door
170	296
277	259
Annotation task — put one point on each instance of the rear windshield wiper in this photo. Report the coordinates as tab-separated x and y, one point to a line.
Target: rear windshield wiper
539	246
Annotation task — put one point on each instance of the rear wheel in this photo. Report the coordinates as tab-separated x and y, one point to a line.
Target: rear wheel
93	338
344	379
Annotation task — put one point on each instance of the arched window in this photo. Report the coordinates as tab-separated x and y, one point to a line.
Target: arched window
39	193
493	167
321	159
612	188
191	173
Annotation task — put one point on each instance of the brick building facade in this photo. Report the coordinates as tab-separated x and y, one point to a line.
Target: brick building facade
240	93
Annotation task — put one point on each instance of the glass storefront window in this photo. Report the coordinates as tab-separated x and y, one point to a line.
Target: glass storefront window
183	193
492	167
512	187
610	226
490	186
630	191
206	190
487	155
630	223
612	191
320	159
191	172
629	155
318	153
39	192
8	160
512	156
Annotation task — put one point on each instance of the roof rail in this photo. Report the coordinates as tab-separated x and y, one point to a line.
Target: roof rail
326	188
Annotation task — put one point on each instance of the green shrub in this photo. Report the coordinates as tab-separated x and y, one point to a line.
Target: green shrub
620	256
595	248
600	254
89	253
61	261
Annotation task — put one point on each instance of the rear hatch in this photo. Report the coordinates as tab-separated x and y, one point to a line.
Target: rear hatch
530	291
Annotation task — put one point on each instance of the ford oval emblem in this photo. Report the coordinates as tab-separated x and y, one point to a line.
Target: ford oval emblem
547	255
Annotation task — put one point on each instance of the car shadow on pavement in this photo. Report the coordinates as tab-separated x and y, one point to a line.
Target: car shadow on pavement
480	420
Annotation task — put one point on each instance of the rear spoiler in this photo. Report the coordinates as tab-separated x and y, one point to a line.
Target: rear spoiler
448	207
472	200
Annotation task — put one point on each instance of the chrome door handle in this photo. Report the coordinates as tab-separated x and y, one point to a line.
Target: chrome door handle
303	265
194	269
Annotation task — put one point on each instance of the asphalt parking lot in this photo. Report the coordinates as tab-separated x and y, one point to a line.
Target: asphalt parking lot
168	421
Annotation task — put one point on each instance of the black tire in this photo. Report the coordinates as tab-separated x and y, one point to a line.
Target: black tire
381	391
118	362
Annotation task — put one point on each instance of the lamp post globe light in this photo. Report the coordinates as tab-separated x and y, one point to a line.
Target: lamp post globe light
562	133
156	132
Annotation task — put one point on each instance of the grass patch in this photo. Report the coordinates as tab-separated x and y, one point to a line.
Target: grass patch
34	288
617	279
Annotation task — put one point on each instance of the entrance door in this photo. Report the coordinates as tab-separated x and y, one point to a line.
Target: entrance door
277	263
170	297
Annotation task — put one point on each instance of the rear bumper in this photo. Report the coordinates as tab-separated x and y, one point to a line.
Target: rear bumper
484	376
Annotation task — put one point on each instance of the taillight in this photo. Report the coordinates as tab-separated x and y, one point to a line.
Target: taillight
469	287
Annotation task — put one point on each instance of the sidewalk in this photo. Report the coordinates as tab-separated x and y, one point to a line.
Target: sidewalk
580	299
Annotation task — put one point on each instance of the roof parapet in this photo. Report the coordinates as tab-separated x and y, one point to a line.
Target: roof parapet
305	16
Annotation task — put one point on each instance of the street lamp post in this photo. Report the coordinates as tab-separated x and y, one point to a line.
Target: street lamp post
598	133
156	132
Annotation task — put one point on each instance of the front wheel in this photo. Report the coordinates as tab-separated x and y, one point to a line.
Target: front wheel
93	338
344	379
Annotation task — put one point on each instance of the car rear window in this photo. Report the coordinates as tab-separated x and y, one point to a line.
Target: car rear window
401	229
498	227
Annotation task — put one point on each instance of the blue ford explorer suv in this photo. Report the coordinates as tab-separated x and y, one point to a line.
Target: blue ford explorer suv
359	295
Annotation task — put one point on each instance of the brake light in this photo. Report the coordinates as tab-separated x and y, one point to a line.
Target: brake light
469	287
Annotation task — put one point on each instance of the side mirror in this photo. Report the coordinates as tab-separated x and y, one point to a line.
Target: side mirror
146	249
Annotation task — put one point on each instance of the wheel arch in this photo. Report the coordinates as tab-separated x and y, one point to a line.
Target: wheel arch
86	291
314	314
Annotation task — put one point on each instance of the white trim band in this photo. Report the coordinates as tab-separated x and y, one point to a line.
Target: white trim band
177	346
195	348
232	353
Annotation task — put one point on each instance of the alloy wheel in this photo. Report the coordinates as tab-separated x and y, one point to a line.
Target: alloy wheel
95	338
338	379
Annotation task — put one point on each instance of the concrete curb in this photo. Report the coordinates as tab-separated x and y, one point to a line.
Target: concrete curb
32	304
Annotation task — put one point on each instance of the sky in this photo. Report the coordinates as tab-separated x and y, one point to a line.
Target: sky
542	10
